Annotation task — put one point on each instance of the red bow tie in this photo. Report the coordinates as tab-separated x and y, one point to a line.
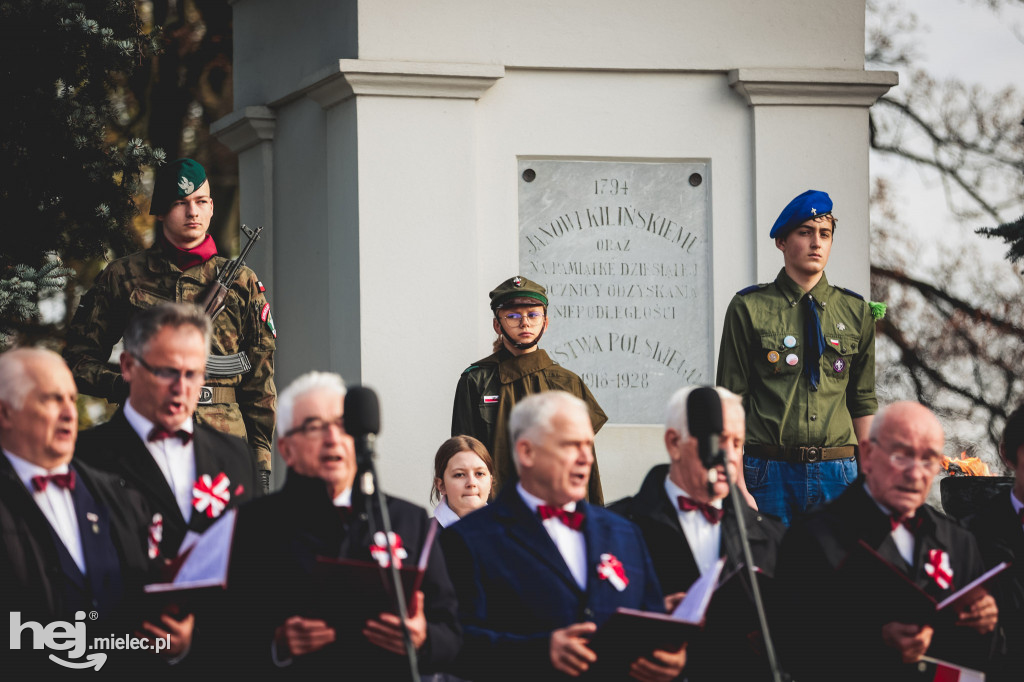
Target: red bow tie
710	512
911	523
66	481
160	433
573	519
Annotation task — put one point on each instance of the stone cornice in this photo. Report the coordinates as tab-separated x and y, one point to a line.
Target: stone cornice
812	87
352	77
246	128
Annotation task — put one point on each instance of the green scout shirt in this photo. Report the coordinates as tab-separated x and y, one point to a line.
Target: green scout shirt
781	407
489	389
146	279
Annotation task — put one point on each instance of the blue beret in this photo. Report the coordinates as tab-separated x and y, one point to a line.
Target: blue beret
174	181
810	204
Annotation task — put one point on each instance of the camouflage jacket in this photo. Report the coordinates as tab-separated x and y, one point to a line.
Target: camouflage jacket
243	404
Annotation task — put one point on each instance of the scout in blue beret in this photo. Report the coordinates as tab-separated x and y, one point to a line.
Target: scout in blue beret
802	355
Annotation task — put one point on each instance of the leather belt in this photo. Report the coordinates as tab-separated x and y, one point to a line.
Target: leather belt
800	454
216	395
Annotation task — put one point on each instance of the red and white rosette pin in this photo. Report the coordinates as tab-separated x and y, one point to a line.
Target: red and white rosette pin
939	569
379	549
211	495
156	535
611	569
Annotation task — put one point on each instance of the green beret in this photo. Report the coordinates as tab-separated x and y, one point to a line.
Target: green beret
174	181
515	288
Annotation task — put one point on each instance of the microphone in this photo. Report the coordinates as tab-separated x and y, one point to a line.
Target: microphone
362	421
704	419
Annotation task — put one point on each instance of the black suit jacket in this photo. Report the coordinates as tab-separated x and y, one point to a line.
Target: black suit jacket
116	448
1001	538
830	623
41	581
723	650
272	577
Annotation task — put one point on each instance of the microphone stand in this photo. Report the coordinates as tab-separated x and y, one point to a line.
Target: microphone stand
367	476
748	559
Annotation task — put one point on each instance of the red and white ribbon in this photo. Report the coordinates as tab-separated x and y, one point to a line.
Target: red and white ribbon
156	535
211	496
379	549
939	569
611	569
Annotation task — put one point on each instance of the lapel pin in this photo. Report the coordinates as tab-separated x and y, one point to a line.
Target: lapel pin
92	516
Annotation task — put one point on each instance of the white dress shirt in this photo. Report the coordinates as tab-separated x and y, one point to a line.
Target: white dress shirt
704	537
56	503
570	543
177	460
344	498
903	538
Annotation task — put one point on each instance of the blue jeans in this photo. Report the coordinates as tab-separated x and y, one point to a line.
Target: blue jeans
785	490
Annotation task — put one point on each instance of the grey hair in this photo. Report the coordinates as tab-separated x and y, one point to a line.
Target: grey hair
532	416
15	383
306	383
146	324
675	411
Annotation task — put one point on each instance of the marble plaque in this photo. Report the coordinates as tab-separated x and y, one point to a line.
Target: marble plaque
623	249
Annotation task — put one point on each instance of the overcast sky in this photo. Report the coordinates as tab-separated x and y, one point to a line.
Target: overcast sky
958	39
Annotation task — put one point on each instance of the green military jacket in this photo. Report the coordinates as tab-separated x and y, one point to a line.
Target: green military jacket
752	362
489	389
146	279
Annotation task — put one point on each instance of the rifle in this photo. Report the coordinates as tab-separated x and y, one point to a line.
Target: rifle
215	297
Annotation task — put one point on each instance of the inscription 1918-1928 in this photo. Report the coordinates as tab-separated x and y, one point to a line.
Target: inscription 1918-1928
624	251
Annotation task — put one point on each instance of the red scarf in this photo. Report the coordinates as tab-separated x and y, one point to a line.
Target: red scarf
187	258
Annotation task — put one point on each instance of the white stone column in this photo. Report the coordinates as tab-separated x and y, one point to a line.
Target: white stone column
811	132
249	133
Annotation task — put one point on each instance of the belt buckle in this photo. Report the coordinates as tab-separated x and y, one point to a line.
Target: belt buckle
813	454
206	396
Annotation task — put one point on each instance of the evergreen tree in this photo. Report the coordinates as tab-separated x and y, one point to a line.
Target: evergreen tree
67	185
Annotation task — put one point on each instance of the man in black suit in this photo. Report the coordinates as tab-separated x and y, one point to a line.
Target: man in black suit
688	525
539	570
73	541
837	624
188	472
283	608
999	528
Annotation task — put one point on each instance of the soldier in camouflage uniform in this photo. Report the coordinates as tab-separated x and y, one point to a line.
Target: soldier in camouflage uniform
239	395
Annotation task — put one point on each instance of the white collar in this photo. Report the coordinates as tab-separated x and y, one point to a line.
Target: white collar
143	426
532	501
673	491
344	498
26	470
444	514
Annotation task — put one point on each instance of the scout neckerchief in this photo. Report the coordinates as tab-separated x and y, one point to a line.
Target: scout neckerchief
814	343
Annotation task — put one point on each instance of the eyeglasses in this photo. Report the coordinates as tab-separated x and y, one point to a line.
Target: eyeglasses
903	458
314	427
533	317
171	374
